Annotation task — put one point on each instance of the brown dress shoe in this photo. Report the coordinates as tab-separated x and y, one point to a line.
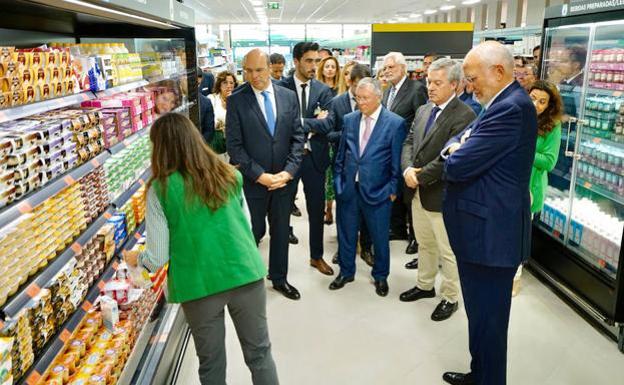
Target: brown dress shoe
321	266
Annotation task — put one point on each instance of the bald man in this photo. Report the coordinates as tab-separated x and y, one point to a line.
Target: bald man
265	141
486	209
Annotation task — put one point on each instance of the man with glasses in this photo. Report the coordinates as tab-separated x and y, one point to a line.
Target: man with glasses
403	97
366	178
265	141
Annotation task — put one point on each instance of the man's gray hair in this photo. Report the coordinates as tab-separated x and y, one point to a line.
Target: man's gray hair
494	53
266	55
453	69
397	57
372	84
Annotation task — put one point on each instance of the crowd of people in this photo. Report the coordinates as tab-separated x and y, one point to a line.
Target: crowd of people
455	164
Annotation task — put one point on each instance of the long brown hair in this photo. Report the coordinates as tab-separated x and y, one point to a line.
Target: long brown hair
548	119
319	72
342	83
179	147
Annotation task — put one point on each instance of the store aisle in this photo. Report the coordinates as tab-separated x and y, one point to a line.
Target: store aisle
352	336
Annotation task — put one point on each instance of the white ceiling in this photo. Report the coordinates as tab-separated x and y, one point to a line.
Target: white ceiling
315	11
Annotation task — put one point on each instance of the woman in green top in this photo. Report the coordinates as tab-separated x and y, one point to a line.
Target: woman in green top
549	108
197	221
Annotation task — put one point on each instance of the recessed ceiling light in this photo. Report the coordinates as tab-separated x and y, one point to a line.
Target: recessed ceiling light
470	2
430	12
446	7
414	15
401	18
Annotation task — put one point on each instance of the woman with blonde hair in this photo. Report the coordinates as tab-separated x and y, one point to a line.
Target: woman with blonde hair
327	73
344	82
196	221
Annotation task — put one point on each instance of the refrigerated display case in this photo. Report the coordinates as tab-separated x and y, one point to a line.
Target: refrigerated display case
74	162
577	238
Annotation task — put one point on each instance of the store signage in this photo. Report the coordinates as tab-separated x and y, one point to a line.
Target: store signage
273	5
580	7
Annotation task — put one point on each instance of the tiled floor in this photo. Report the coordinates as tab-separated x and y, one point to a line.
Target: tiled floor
352	336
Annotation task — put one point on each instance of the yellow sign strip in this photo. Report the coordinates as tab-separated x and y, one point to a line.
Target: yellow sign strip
423	27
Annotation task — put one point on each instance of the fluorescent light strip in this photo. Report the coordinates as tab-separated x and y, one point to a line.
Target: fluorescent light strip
110	11
430	12
446	7
470	2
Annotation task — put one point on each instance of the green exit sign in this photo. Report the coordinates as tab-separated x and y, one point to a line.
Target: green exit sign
273	5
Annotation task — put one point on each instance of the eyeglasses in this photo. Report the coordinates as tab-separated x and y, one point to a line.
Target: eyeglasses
363	98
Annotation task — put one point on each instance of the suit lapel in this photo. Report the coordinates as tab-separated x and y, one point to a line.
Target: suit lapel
400	96
313	97
347	102
444	116
253	102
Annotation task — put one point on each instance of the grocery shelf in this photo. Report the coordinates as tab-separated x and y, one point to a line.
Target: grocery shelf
600	190
126	195
53	348
604	91
35	198
121	88
597	140
128	141
26	292
25	110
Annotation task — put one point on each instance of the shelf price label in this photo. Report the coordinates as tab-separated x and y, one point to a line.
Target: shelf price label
65	335
24	207
86	306
33	290
587	185
34	378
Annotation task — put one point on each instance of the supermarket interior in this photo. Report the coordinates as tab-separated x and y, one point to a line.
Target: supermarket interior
83	81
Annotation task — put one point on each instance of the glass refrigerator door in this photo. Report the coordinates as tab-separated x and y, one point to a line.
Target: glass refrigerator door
597	219
564	60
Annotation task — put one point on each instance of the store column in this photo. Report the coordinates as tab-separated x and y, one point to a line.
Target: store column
480	17
494	14
535	10
514	13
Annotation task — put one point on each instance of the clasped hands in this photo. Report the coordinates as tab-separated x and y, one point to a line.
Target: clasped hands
274	181
411	179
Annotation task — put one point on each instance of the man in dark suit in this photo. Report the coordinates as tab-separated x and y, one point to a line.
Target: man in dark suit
342	105
366	178
265	141
277	66
314	99
429	58
435	123
206	112
487	206
403	97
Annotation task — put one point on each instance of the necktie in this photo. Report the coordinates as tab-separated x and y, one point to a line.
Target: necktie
391	97
431	120
270	114
367	133
304	100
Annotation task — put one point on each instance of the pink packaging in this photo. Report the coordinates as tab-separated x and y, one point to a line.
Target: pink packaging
134	104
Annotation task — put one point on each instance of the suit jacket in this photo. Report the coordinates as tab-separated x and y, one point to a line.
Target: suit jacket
379	167
207	83
249	143
487	205
422	151
411	95
320	96
470	102
206	117
339	107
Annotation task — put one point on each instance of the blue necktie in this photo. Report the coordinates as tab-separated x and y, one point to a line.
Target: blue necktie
431	120
270	114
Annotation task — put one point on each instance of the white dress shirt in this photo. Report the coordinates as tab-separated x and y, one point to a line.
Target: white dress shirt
352	100
219	109
260	98
398	86
298	84
375	117
441	107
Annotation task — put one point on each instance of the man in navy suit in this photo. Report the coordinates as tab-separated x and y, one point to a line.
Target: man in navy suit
464	93
314	98
342	105
265	141
367	172
487	206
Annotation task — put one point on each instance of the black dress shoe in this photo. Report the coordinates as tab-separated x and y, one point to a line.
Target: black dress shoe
288	290
413	264
381	287
339	282
295	211
415	293
444	310
398	236
454	378
335	258
412	248
292	238
368	257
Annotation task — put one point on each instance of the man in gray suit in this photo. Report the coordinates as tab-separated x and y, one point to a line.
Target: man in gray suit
403	97
435	123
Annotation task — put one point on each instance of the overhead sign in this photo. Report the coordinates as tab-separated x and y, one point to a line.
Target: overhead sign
581	7
273	5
